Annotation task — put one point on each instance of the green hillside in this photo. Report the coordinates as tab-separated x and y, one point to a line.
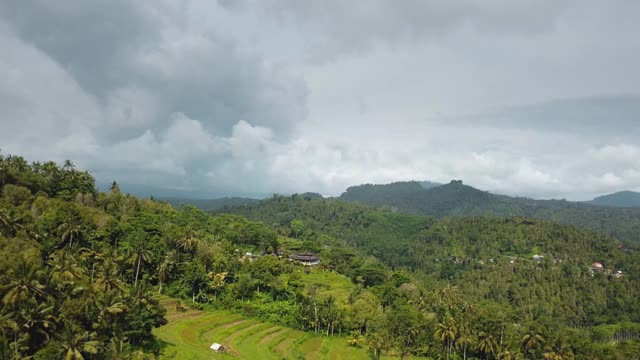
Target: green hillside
211	204
188	335
457	199
82	272
619	199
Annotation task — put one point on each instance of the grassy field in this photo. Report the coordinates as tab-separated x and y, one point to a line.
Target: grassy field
328	284
189	334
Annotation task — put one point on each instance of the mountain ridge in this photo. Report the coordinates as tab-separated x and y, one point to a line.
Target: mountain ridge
458	199
625	198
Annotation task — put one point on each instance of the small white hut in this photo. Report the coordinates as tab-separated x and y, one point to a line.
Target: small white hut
217	347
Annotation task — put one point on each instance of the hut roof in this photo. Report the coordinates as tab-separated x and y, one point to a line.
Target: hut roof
305	256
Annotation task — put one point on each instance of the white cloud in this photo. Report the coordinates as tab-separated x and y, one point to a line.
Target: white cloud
285	96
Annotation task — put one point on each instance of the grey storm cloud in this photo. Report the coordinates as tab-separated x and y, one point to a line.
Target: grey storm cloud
142	61
253	97
335	27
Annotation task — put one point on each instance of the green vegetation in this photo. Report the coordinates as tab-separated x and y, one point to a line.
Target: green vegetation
484	267
189	334
211	204
456	199
619	199
89	275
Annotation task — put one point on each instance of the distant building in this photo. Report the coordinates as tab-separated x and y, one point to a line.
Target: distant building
538	258
250	256
597	266
306	258
217	347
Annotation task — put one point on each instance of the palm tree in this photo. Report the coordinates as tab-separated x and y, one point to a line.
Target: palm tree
92	256
140	253
189	242
64	268
109	277
487	344
11	224
531	342
68	165
447	333
8	326
36	318
510	355
559	351
22	285
69	230
170	259
111	307
76	343
465	341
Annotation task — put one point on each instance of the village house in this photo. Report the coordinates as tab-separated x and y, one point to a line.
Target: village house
596	267
306	258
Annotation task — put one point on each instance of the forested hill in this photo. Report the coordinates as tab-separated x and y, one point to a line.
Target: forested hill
458	199
211	204
538	270
80	270
619	199
400	239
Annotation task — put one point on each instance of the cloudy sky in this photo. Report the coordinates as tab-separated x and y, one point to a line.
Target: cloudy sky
242	97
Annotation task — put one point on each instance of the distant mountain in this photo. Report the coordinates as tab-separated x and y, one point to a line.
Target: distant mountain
227	202
429	184
457	199
212	204
619	199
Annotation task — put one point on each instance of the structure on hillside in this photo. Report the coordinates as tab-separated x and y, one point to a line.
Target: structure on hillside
538	258
596	267
306	258
217	347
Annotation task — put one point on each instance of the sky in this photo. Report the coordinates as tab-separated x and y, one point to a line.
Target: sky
209	98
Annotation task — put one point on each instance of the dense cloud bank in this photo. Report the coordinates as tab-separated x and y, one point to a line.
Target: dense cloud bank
243	97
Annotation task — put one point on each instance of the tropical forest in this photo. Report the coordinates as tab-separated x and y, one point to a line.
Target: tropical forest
106	275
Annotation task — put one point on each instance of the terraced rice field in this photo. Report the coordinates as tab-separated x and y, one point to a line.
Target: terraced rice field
189	334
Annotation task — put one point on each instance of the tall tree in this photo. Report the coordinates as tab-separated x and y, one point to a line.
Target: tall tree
69	230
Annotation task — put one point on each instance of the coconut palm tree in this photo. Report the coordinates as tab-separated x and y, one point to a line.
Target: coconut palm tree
188	242
531	342
64	268
169	260
36	318
22	285
94	257
108	277
510	355
10	224
447	332
139	254
69	230
76	343
487	344
560	350
465	341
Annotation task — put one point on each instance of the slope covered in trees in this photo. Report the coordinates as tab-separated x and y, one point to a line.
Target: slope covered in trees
619	199
211	204
80	272
486	268
457	199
